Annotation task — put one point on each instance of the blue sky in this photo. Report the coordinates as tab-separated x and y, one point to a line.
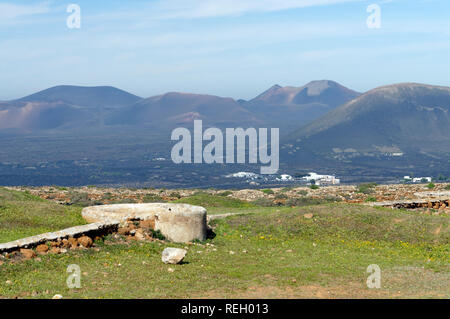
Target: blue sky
233	48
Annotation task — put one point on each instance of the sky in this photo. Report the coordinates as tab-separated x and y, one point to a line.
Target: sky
230	48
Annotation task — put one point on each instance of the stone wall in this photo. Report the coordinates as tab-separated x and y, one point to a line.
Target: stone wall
177	222
91	230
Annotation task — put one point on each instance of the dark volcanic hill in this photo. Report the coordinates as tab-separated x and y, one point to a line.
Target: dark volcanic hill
403	121
63	107
292	107
323	92
182	108
98	96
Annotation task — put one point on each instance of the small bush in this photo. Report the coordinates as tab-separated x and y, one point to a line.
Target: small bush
280	196
366	188
268	191
371	199
224	194
431	186
314	186
175	194
80	199
303	192
153	199
447	188
263	202
157	234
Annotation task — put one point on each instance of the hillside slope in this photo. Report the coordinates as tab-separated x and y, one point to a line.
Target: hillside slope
291	107
175	108
410	121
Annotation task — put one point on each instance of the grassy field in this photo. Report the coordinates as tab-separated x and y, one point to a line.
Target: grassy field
22	215
264	252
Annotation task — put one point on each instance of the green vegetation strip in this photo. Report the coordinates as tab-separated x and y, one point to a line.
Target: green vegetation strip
23	215
272	252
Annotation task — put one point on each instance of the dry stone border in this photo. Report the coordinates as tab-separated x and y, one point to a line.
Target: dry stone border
69	234
179	223
431	203
176	222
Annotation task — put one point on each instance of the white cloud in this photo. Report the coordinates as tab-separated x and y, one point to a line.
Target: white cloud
218	8
12	11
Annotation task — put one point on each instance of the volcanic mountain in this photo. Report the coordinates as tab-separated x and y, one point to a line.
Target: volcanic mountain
406	121
63	107
292	107
97	96
183	108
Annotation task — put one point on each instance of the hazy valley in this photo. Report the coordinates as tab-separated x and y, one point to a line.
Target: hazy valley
69	135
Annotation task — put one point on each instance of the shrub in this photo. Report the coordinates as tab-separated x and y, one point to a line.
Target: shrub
447	188
431	186
371	199
268	191
366	188
314	186
263	202
280	196
175	194
79	199
157	234
303	192
153	199
224	194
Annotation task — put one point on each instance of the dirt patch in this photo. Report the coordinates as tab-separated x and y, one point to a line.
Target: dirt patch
300	292
401	282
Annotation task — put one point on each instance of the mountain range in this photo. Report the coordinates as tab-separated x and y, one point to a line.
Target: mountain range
324	125
67	107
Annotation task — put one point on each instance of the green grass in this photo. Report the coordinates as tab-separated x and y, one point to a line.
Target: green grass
208	200
275	249
23	215
276	252
447	188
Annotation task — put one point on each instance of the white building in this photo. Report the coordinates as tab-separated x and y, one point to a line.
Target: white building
285	178
243	175
418	179
322	179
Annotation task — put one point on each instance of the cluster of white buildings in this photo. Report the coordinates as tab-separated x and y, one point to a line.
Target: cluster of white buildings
310	178
322	179
285	178
418	179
